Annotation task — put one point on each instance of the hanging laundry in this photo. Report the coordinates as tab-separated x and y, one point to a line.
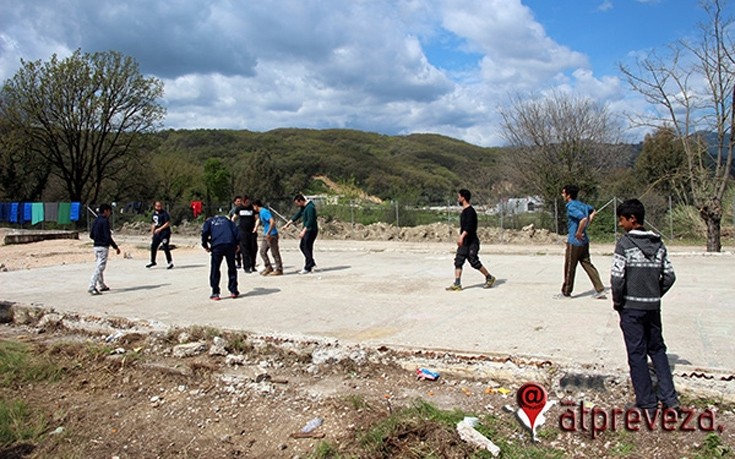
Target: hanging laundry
75	211
51	211
64	213
36	212
27	212
13	215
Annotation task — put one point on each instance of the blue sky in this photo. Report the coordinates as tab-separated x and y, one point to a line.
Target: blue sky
389	66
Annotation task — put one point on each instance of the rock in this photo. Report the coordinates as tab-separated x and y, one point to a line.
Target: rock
189	349
234	360
50	320
6	312
218	346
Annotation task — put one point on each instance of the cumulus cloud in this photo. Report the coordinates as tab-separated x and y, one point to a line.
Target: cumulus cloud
362	64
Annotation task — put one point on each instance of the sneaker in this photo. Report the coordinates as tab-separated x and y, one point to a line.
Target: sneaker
94	291
266	271
277	272
234	295
599	295
170	266
238	266
151	264
454	288
104	288
561	296
305	271
214	297
489	282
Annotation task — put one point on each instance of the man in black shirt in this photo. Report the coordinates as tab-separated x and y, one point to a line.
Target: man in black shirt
468	244
246	216
160	234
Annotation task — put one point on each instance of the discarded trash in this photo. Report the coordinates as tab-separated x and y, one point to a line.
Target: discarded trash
466	391
311	425
503	390
467	432
426	374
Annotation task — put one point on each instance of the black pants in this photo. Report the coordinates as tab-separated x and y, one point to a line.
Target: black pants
307	248
161	240
248	249
643	336
218	253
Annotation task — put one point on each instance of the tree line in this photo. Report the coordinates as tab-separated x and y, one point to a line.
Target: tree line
88	128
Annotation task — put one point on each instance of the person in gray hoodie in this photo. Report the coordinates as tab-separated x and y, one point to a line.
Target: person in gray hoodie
641	274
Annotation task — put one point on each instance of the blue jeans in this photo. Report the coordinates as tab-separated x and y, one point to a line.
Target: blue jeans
643	336
218	253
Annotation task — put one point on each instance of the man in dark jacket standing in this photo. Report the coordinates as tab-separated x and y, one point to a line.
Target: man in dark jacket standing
221	239
101	234
641	274
245	217
307	212
160	234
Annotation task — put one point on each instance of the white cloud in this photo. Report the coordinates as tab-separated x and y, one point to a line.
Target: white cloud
304	63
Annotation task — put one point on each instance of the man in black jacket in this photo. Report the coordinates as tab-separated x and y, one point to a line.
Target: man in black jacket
101	234
641	274
221	238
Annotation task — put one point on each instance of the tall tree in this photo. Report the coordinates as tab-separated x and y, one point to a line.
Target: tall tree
217	183
559	139
662	164
83	115
694	83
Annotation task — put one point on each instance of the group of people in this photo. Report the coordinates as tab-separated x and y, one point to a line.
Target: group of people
235	235
641	272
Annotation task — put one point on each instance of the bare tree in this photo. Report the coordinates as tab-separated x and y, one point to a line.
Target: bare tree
694	83
559	139
83	115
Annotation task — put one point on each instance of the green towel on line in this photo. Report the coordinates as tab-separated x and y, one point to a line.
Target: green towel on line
64	213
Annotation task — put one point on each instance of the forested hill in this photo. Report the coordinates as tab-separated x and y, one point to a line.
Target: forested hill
427	167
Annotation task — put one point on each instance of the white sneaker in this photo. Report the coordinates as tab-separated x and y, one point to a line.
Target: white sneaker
599	295
304	271
561	296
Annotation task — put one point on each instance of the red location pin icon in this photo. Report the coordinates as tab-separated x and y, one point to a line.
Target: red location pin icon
532	400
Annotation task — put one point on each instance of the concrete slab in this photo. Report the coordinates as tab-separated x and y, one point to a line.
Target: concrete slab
391	293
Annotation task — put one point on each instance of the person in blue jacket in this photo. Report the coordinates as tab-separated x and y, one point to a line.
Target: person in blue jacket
220	237
101	234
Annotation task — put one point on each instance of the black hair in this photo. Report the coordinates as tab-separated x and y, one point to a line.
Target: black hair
299	197
104	207
632	208
258	203
236	198
465	194
571	190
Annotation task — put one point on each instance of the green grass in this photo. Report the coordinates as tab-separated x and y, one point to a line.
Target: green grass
19	366
712	447
18	423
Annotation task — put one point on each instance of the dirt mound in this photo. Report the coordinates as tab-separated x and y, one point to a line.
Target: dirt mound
435	232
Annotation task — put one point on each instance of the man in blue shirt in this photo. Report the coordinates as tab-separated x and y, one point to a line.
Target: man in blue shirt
220	237
579	216
270	240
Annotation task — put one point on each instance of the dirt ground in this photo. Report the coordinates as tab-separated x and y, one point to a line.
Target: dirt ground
141	390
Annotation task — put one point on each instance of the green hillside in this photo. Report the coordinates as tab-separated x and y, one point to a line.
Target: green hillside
424	167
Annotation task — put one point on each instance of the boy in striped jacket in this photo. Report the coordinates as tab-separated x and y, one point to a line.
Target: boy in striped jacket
641	274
